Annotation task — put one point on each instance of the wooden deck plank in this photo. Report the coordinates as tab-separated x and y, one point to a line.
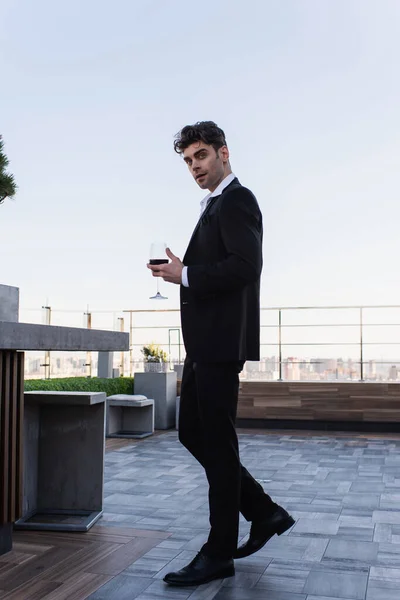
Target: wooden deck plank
78	587
31	591
24	573
60	565
82	560
121	559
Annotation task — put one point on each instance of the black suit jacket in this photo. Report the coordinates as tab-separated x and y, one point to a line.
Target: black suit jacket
220	310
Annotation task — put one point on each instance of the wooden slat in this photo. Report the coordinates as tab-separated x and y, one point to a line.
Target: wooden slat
11	435
20	432
2	428
4	436
339	401
12	448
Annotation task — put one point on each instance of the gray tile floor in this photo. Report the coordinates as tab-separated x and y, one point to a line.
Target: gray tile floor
344	492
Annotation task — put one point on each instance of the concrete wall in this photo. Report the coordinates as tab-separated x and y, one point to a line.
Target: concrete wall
9	303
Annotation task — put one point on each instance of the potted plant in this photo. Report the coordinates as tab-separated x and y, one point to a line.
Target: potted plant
158	383
155	359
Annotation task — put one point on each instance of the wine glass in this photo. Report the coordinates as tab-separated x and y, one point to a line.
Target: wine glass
158	257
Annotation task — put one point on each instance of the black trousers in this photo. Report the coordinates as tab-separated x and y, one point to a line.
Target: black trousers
208	405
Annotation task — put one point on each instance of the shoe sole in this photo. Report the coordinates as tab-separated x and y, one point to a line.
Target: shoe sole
284	526
221	575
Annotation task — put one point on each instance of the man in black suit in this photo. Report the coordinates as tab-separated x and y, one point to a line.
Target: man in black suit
220	314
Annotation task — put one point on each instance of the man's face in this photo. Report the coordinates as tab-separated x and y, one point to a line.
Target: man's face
207	165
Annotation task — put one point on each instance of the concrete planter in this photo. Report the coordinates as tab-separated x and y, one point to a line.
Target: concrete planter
155	367
179	370
162	388
64	442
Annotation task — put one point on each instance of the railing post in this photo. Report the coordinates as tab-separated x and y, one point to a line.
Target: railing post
361	346
88	315
170	344
130	344
122	359
280	345
46	363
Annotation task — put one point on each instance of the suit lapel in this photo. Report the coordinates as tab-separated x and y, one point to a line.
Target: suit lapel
203	214
211	203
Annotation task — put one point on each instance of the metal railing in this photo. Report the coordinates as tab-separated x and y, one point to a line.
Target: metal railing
278	335
281	327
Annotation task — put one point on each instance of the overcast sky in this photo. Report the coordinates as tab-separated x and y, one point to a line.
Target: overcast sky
92	93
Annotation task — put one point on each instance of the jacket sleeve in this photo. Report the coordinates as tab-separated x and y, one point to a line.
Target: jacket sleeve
241	231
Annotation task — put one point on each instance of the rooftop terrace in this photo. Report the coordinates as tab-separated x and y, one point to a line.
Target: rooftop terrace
343	490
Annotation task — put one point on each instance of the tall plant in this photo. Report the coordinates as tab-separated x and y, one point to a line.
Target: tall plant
8	187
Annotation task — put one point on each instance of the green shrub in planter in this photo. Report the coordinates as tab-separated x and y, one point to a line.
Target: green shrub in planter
119	385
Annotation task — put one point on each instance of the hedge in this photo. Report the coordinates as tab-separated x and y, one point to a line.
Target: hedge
119	385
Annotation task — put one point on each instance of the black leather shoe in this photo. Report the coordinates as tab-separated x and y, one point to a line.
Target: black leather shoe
202	569
262	531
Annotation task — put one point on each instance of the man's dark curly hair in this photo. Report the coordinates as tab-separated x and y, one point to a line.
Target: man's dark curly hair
202	131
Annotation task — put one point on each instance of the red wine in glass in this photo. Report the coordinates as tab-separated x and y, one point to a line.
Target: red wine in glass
158	257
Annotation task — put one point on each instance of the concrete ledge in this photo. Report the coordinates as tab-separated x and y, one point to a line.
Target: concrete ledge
67	520
27	336
65	398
